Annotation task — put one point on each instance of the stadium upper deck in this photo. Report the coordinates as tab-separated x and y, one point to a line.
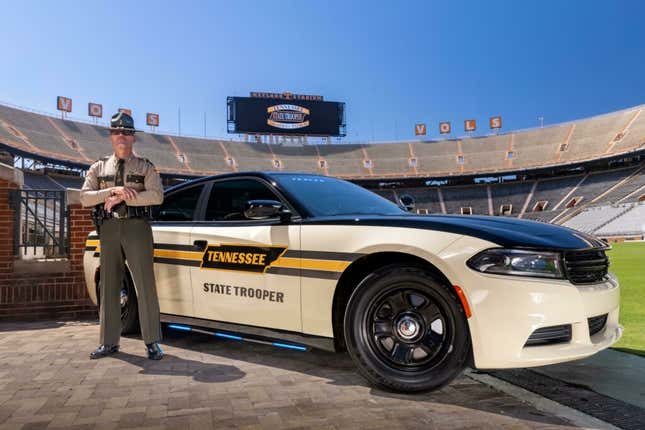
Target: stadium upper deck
611	135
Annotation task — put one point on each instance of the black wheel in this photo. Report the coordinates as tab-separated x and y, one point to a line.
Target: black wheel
405	330
129	307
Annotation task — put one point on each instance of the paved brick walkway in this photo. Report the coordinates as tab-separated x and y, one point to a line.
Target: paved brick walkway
47	381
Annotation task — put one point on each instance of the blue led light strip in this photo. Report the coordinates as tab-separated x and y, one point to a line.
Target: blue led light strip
228	336
234	337
287	346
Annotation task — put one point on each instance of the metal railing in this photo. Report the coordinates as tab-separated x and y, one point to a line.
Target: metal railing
41	224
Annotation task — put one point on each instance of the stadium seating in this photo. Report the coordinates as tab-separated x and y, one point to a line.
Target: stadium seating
38	181
40	132
435	158
601	194
595	217
591	138
202	155
343	160
475	197
634	137
600	182
631	222
631	185
68	181
552	191
540	146
566	143
514	193
486	154
389	158
546	216
425	197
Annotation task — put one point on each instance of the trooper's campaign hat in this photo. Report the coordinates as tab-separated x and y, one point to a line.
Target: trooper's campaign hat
122	121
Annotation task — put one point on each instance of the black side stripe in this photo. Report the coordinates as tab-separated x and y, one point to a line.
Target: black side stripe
170	246
316	255
284	271
177	247
177	262
324	255
306	273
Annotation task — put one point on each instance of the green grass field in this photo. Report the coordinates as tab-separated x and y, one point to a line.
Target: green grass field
628	264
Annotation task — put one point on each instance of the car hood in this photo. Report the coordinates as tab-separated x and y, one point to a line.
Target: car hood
506	232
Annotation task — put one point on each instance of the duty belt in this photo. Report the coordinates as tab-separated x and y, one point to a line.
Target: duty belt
130	212
99	214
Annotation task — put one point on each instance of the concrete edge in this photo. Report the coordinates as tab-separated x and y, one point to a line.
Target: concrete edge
543	404
72	196
12	174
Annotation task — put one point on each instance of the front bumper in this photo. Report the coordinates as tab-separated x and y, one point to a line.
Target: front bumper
506	310
506	315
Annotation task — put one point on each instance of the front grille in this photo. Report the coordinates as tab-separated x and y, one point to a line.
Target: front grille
596	324
586	267
549	335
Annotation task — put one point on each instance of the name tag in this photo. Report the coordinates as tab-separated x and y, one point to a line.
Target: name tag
103	180
135	179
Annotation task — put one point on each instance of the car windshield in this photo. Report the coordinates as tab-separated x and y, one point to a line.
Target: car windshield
325	196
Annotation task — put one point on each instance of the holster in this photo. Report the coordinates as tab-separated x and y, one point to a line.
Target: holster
98	215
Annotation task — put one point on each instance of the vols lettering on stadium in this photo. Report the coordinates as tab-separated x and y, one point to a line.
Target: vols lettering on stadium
240	257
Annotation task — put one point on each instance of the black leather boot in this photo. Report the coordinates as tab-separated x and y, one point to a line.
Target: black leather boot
104	351
154	351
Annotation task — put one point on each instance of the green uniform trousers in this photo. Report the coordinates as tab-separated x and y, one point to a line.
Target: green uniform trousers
129	239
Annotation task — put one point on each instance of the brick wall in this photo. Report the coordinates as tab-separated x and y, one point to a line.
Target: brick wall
30	293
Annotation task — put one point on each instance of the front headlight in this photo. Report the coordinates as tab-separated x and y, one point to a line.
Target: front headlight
541	264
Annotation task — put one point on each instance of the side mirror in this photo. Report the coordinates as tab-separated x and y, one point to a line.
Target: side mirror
266	209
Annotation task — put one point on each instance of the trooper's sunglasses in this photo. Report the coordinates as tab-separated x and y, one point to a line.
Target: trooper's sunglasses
123	132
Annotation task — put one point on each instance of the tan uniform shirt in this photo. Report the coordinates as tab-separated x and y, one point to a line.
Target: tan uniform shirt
138	173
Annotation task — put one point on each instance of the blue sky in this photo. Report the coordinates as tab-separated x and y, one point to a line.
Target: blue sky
393	63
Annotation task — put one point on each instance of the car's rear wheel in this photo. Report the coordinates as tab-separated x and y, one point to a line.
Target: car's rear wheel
406	330
129	306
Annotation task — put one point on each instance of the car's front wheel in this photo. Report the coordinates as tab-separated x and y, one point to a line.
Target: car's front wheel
406	330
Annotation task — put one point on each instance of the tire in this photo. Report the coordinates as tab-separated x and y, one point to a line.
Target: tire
406	331
129	306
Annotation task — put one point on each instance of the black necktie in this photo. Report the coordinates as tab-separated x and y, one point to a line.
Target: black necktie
118	180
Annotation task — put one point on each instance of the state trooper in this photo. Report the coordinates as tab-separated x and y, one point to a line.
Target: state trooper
122	187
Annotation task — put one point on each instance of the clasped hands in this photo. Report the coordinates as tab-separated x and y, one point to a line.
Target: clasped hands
118	195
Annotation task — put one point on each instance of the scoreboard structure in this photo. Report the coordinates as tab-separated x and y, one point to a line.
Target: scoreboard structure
285	114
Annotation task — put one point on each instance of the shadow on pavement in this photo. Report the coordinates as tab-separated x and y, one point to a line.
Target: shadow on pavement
177	366
338	369
39	325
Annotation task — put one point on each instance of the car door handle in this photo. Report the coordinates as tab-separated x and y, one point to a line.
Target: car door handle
201	244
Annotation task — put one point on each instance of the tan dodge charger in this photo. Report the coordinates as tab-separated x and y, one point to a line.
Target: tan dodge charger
301	260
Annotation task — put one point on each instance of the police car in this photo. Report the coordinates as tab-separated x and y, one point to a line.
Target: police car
302	260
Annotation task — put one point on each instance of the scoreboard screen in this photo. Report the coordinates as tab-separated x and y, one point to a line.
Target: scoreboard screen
285	116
